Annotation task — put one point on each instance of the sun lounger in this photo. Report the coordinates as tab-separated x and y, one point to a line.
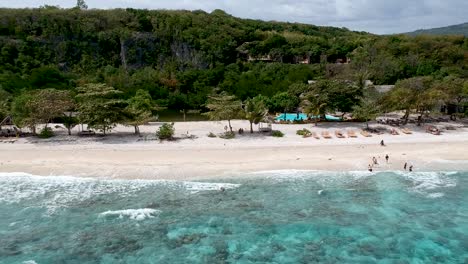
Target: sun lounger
326	134
339	134
365	133
433	130
394	132
406	131
86	133
314	134
352	134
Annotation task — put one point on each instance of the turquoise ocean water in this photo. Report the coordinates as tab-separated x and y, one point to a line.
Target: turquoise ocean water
267	217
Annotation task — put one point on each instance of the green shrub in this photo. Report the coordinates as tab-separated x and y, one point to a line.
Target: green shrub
166	131
211	135
46	132
277	133
227	135
304	132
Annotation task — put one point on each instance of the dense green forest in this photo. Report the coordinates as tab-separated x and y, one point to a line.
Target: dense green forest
461	29
178	59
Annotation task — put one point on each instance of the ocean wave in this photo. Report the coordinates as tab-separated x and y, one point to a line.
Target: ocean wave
134	214
436	195
429	183
55	192
297	174
29	262
429	180
195	187
294	175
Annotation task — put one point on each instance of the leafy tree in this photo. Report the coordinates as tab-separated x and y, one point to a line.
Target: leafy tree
320	99
100	106
255	111
283	102
23	113
453	89
337	95
81	4
48	77
69	121
368	108
5	102
139	110
297	89
223	107
314	104
414	94
48	104
12	83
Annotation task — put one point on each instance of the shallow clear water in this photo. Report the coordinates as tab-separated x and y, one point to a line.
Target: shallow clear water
272	217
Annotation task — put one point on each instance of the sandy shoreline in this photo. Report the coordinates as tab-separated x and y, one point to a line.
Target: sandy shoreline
125	156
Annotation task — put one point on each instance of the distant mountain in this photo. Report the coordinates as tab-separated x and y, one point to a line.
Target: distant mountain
461	29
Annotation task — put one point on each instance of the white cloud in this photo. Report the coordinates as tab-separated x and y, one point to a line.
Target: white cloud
377	16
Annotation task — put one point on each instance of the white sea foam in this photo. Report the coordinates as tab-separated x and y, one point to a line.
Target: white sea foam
428	182
54	192
435	195
195	187
134	214
295	175
434	179
29	262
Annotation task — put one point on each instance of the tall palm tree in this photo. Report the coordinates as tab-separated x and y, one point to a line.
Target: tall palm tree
314	104
255	111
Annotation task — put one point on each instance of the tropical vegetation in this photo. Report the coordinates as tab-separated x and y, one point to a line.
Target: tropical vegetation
122	66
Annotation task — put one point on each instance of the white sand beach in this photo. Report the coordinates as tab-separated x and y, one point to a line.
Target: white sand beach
124	155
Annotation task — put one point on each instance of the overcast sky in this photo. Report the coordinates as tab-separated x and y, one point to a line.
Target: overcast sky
376	16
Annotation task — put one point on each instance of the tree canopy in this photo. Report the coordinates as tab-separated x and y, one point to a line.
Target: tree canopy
177	58
223	107
99	106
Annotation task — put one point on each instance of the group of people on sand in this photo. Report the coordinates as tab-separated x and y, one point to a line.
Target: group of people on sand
374	162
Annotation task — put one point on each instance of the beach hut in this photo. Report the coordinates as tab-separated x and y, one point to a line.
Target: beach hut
8	128
7	121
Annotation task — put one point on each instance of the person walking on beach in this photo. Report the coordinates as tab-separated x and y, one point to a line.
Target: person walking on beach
382	143
386	157
369	168
411	168
374	160
404	166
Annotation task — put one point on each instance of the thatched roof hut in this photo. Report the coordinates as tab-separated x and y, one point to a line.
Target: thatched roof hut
10	130
7	121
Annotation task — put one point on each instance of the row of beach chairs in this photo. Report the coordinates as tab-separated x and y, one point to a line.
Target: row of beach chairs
353	134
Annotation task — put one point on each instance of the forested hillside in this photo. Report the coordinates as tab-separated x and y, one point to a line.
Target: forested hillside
461	29
166	52
179	57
